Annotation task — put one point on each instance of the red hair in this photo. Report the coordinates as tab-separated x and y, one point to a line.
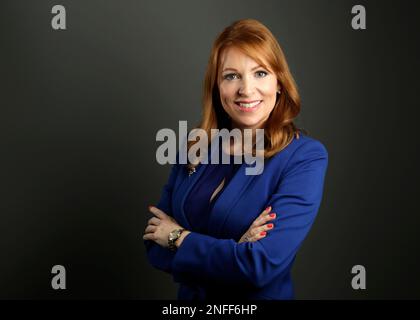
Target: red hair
256	41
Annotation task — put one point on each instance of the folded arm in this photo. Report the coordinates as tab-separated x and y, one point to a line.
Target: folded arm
159	257
296	202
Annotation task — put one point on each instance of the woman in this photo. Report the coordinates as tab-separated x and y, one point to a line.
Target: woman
218	231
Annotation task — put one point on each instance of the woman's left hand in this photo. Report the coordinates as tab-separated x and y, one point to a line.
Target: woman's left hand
159	227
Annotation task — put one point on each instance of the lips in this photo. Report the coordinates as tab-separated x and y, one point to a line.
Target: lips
248	105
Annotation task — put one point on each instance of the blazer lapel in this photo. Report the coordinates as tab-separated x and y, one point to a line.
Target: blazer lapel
227	200
190	181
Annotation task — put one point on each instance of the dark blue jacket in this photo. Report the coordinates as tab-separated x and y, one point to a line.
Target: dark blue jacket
215	265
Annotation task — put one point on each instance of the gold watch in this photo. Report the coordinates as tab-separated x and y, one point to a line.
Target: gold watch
173	236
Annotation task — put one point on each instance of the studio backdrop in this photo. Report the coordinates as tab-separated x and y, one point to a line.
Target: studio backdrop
85	90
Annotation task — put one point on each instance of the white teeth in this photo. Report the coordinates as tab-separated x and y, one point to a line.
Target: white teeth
249	105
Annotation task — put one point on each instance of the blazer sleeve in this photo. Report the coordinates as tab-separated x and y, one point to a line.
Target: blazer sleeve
159	257
296	202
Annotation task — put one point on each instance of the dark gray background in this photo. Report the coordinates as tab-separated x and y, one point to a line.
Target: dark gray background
80	109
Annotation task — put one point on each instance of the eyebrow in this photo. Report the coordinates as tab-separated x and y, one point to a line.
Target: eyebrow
233	69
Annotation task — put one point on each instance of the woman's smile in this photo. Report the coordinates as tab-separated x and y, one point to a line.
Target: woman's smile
248	106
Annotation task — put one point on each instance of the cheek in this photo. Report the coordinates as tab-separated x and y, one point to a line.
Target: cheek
227	94
269	90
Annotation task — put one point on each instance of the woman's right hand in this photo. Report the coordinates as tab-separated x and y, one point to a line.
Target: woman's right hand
259	227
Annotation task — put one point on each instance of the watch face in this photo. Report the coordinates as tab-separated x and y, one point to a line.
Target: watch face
172	235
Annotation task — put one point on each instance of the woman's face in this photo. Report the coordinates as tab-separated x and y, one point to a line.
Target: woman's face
247	90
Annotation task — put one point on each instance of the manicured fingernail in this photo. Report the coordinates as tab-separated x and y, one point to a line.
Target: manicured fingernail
272	215
268	209
262	234
150	207
269	226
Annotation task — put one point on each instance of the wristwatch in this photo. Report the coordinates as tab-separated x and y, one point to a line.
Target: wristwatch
173	236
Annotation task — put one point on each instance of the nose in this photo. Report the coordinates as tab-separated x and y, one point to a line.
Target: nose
246	87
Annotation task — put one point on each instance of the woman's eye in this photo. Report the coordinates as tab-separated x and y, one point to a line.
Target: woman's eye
261	74
230	76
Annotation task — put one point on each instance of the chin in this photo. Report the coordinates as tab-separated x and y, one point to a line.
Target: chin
248	123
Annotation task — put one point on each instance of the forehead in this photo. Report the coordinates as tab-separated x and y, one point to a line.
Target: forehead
232	57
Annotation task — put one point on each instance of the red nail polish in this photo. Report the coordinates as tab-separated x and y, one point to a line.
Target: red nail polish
270	226
268	209
272	215
263	233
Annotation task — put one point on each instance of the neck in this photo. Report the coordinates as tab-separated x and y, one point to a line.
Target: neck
244	148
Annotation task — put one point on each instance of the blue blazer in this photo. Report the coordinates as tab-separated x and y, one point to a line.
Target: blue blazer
214	265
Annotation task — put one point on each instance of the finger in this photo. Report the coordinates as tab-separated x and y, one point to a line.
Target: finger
266	211
268	217
260	219
258	236
157	212
154	221
150	229
149	236
263	220
267	227
245	237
